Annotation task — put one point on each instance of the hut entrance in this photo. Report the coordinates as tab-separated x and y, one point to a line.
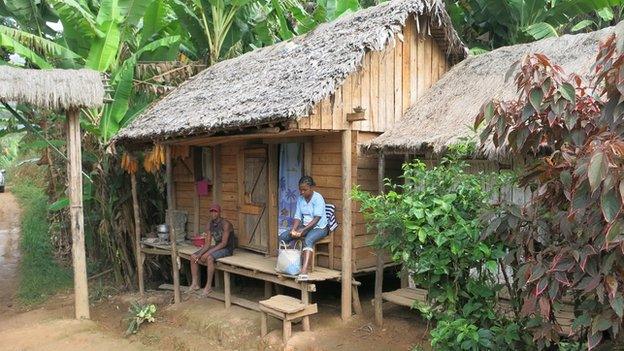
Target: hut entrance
253	211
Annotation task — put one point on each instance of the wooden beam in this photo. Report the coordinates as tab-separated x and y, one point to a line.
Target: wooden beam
227	290
216	182
380	261
74	155
273	194
172	233
347	267
195	194
307	157
137	234
279	281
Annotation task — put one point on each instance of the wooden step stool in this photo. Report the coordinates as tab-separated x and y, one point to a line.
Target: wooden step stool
287	309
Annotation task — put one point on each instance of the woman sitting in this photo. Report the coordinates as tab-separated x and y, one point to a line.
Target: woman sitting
310	223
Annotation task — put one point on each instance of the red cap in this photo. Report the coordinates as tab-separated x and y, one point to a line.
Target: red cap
215	208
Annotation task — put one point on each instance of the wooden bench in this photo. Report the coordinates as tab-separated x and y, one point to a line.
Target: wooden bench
406	296
287	309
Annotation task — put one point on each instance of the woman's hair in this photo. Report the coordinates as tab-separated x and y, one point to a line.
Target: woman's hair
307	180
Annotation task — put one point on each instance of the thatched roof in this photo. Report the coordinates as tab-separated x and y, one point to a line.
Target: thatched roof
447	111
52	89
284	81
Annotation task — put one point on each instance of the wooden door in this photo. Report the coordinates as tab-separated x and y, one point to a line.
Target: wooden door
253	192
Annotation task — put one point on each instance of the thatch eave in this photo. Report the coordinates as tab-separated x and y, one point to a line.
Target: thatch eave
55	89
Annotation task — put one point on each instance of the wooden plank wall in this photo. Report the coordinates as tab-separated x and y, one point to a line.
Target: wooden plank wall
185	187
387	84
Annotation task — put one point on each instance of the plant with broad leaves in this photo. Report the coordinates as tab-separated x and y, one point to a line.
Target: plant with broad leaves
568	238
431	225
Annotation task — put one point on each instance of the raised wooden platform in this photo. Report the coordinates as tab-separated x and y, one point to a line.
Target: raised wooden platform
257	266
406	296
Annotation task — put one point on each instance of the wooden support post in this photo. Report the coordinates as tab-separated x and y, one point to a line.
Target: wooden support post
268	289
218	279
172	233
263	323
74	154
227	290
273	169
404	274
137	234
357	305
287	331
347	266
305	298
196	200
379	271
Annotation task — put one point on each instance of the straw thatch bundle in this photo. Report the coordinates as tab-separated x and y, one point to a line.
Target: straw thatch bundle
52	89
285	81
446	113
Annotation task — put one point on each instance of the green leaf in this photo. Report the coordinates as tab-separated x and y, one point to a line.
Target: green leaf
596	170
492	266
422	236
284	29
59	204
192	25
109	12
610	204
618	305
14	46
38	44
133	10
605	13
104	50
541	30
568	92
535	97
581	25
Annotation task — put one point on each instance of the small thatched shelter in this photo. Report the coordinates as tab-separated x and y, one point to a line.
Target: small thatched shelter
446	113
56	89
66	91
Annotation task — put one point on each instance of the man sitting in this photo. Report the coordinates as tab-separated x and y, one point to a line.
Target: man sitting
223	233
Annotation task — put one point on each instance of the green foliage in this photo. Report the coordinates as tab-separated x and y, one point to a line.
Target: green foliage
40	274
138	314
489	24
431	225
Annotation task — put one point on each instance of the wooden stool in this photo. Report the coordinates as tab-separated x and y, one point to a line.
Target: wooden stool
285	308
329	241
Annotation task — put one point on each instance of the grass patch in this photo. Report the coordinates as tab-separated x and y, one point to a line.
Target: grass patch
40	274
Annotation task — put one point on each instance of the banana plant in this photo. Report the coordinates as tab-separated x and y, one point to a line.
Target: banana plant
215	27
488	24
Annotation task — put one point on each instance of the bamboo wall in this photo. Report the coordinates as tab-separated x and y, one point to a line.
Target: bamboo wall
388	83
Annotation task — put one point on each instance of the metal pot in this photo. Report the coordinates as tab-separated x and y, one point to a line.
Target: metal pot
162	228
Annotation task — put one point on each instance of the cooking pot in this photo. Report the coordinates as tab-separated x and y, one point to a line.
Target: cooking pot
162	228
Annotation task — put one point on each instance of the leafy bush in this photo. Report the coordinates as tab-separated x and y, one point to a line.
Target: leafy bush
431	225
567	242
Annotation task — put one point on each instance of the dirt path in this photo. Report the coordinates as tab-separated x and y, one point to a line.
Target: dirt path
9	251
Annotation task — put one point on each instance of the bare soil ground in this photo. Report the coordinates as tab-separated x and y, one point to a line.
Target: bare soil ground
195	324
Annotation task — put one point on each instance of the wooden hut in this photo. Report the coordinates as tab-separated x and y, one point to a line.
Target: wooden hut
327	92
445	114
65	91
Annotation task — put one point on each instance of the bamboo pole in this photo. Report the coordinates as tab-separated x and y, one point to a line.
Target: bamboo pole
347	268
74	154
172	233
379	271
137	234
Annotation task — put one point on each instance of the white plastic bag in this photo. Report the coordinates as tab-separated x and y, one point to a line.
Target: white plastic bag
289	260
